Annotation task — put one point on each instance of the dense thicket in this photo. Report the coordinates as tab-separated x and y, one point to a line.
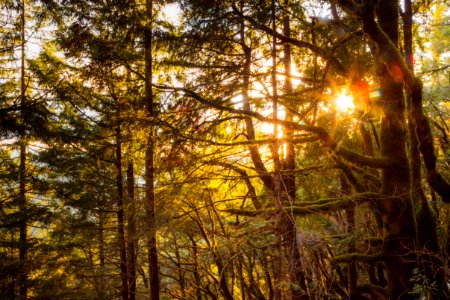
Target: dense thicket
241	149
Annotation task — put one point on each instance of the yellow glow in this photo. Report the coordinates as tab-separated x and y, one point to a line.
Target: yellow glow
267	128
344	102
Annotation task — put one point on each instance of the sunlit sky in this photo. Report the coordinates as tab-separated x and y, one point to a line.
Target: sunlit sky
172	13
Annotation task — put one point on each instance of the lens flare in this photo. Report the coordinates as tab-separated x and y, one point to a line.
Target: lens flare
344	102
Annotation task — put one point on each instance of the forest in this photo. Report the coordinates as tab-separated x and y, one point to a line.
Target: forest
234	149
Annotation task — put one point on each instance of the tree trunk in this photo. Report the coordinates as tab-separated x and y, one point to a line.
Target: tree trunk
298	283
120	217
149	163
426	223
196	274
352	272
101	293
278	222
254	151
131	230
396	209
23	247
180	269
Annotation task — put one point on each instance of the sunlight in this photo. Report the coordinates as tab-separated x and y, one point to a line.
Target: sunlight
267	129
172	13
344	102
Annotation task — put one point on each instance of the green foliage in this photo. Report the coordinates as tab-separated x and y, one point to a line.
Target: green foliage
423	286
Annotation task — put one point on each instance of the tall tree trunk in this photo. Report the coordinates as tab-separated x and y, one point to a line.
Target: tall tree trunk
131	230
278	262
396	209
23	247
414	153
149	163
426	223
297	278
120	217
254	151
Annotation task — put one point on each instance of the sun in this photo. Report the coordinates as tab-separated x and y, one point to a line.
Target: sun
344	102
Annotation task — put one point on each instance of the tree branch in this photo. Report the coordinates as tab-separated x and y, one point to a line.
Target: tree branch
302	44
353	257
326	205
245	177
374	162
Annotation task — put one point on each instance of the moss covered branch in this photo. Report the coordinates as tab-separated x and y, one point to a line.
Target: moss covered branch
356	257
326	205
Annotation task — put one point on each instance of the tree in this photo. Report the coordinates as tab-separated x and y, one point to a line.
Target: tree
23	118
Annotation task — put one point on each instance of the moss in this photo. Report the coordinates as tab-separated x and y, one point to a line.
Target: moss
325	205
352	257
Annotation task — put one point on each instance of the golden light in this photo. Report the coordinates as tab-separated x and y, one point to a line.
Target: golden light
344	102
267	129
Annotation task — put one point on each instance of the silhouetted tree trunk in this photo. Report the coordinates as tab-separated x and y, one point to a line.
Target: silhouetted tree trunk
396	209
120	216
23	247
131	230
101	254
277	180
149	160
425	220
297	278
254	151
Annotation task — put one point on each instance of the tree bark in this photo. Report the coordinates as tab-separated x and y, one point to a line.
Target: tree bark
120	217
277	197
254	151
426	223
396	210
298	287
149	161
101	293
23	247
131	230
352	273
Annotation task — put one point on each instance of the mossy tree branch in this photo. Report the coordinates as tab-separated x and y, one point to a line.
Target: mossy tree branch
360	257
325	205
